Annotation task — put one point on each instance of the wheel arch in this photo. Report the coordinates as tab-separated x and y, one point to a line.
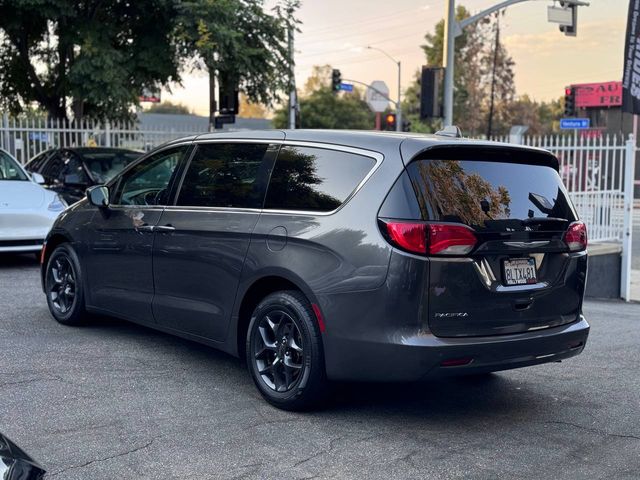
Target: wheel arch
258	288
54	239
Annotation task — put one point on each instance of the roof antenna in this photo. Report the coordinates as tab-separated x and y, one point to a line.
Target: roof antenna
450	131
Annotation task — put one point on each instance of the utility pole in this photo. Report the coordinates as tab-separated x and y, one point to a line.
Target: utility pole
493	77
293	100
452	29
448	60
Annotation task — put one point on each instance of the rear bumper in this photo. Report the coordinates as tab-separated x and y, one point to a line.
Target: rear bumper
417	356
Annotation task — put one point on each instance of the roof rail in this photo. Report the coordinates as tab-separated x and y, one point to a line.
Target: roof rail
450	131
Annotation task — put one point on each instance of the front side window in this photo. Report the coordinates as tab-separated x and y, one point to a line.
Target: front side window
147	183
9	169
315	179
225	175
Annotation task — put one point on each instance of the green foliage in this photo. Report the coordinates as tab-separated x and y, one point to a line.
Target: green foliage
169	107
93	57
241	41
320	107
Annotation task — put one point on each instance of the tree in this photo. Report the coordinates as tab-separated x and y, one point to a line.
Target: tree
240	41
252	110
91	57
169	107
320	107
542	118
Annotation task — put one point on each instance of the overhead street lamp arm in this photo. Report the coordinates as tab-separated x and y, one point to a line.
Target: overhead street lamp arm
469	20
399	102
372	88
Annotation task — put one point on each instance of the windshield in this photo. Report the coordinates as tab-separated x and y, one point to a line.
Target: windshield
10	170
103	166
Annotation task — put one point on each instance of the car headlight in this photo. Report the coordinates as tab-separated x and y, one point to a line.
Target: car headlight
57	204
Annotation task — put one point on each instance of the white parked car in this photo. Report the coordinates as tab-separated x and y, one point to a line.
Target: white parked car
27	209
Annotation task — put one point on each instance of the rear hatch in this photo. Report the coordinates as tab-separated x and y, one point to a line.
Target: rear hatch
503	241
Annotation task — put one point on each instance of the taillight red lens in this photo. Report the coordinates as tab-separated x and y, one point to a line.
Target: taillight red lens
576	236
409	236
447	239
431	238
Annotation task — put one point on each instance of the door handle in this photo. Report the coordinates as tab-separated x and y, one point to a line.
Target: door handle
164	228
145	228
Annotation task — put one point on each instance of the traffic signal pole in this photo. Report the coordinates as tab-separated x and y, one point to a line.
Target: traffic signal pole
453	29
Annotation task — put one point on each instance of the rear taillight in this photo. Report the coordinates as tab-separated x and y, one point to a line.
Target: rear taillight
576	237
431	238
450	239
408	236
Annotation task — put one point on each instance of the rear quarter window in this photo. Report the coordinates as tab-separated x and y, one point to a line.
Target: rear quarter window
315	179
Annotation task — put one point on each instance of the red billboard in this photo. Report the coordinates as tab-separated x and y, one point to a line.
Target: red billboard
606	94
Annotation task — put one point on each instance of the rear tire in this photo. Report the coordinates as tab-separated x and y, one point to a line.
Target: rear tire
284	352
63	286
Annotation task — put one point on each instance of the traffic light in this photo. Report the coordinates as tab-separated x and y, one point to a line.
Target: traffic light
569	101
336	80
430	104
389	122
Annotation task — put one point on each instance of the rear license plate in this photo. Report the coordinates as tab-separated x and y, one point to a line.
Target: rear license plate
519	271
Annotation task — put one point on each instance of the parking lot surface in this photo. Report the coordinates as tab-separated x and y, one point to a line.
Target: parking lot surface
114	400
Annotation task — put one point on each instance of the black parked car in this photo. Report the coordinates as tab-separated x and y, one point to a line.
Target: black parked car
321	255
70	171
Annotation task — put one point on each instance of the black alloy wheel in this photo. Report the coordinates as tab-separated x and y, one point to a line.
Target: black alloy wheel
63	286
278	351
284	352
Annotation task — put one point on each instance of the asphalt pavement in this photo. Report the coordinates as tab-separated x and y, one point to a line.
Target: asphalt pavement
115	400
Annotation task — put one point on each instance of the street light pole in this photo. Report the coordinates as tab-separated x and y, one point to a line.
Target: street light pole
399	102
452	29
448	61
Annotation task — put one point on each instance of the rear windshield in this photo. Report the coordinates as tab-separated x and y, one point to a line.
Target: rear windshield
485	194
103	166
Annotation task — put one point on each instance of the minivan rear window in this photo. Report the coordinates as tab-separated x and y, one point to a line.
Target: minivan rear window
486	194
315	179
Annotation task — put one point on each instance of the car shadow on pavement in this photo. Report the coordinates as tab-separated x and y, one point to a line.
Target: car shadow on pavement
13	260
448	398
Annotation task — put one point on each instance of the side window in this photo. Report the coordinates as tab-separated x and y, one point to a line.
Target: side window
225	175
147	183
315	179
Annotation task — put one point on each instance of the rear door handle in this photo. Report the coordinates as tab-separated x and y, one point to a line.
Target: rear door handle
145	228
164	228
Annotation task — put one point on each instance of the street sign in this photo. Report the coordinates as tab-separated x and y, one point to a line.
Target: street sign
377	96
574	123
346	87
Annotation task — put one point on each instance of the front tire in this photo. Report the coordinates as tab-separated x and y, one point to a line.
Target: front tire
284	352
63	286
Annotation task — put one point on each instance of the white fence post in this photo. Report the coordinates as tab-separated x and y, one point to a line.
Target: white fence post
107	133
629	167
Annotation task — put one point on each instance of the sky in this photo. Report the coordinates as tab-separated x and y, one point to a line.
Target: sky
337	32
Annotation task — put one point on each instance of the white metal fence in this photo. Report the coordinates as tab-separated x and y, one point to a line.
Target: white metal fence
24	138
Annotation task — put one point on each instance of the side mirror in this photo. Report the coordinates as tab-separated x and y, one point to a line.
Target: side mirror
36	177
98	196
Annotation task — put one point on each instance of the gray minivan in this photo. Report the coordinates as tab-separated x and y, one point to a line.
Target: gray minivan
333	255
